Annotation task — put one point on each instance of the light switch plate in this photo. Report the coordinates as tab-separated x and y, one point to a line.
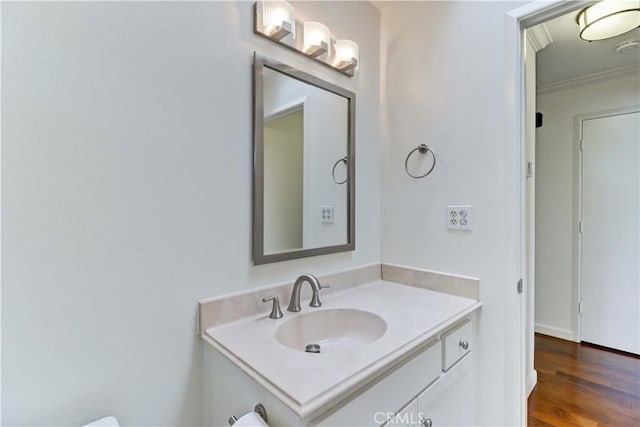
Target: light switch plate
459	217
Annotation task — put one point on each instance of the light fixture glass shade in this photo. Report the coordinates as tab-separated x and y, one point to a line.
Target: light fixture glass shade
347	55
278	18
317	38
608	18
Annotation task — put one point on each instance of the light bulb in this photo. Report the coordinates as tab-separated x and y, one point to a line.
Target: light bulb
347	55
317	38
278	19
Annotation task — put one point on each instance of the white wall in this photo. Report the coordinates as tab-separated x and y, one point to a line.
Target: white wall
556	195
444	85
126	195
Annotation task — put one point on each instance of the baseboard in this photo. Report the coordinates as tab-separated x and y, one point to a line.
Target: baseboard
532	380
564	334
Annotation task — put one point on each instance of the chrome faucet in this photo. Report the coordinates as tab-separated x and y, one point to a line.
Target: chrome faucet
294	302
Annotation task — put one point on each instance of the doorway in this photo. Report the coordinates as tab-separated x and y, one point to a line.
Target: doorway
568	95
518	20
570	102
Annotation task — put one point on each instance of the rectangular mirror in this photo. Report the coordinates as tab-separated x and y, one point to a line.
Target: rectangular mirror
304	164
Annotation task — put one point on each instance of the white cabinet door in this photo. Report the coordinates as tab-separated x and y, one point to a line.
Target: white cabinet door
379	402
450	401
408	417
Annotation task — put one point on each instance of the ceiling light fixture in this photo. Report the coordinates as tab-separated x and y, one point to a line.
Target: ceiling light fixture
608	18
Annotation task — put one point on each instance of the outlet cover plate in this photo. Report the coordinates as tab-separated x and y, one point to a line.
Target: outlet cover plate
327	214
459	217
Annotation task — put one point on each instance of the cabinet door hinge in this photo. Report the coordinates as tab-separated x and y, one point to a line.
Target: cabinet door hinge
579	307
581	145
580	226
520	285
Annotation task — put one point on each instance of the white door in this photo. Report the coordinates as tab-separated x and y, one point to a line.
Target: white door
610	292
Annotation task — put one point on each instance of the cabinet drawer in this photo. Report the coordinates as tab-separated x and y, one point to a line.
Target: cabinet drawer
456	343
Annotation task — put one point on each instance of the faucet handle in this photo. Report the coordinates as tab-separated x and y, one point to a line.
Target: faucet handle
276	313
321	286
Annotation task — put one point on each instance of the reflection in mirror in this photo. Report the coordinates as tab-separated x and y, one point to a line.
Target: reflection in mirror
303	143
283	178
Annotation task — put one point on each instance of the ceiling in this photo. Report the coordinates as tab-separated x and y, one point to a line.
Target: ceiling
570	57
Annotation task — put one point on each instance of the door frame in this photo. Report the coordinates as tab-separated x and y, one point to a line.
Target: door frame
516	21
578	176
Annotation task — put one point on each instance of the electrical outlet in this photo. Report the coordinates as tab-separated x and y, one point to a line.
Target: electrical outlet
327	214
459	217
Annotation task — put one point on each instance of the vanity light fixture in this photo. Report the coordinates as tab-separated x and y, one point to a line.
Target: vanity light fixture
608	18
278	19
317	39
346	57
275	20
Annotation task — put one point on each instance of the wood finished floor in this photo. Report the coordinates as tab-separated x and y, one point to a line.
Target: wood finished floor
580	385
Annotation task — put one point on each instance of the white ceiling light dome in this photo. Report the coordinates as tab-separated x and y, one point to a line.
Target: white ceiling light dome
608	18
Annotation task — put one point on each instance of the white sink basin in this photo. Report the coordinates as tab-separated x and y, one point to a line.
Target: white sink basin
332	329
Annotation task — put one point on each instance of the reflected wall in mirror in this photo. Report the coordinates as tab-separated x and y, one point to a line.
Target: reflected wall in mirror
304	189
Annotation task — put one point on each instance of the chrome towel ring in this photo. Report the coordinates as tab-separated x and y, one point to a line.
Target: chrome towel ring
333	171
422	149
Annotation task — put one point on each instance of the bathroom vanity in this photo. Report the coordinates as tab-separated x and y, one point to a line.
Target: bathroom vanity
393	351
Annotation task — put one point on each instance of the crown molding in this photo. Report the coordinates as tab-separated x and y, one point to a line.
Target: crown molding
603	75
539	37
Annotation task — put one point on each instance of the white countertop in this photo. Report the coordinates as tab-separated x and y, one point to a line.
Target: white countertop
306	382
